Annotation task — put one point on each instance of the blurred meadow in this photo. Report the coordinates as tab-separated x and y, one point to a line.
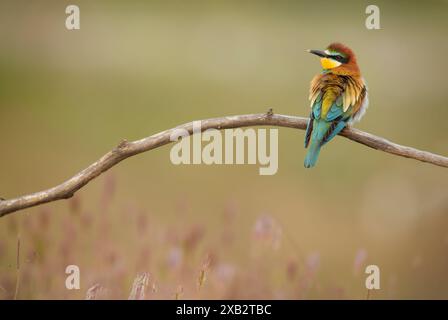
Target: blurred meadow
136	68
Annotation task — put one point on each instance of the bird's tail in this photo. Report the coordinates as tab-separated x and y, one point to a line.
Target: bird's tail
312	154
319	131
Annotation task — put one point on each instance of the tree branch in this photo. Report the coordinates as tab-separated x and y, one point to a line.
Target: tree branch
128	149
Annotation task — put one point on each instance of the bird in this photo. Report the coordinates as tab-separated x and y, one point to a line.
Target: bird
338	97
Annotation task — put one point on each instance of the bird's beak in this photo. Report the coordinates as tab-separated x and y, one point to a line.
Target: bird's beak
318	53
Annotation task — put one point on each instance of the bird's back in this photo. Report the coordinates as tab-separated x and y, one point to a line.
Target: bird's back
332	94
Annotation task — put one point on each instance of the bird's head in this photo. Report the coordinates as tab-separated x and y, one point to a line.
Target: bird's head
338	59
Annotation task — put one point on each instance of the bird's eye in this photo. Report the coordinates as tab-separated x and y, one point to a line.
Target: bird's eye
339	58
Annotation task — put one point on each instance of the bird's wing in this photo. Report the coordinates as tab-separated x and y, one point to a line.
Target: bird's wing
361	105
334	99
353	94
315	98
326	96
341	97
315	89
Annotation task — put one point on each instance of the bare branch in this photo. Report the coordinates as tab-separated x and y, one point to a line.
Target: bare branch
127	149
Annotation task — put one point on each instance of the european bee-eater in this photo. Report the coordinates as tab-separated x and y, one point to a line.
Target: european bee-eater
338	98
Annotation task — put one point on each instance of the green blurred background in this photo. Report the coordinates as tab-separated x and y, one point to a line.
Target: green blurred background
136	68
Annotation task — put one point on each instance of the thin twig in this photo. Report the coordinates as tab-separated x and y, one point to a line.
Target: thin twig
127	149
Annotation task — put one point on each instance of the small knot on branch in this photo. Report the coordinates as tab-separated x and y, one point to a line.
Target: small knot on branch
123	143
270	112
121	146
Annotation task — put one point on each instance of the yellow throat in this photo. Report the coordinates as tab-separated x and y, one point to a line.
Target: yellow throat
329	63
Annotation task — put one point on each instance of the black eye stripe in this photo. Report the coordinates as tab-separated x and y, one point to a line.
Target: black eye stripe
339	58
